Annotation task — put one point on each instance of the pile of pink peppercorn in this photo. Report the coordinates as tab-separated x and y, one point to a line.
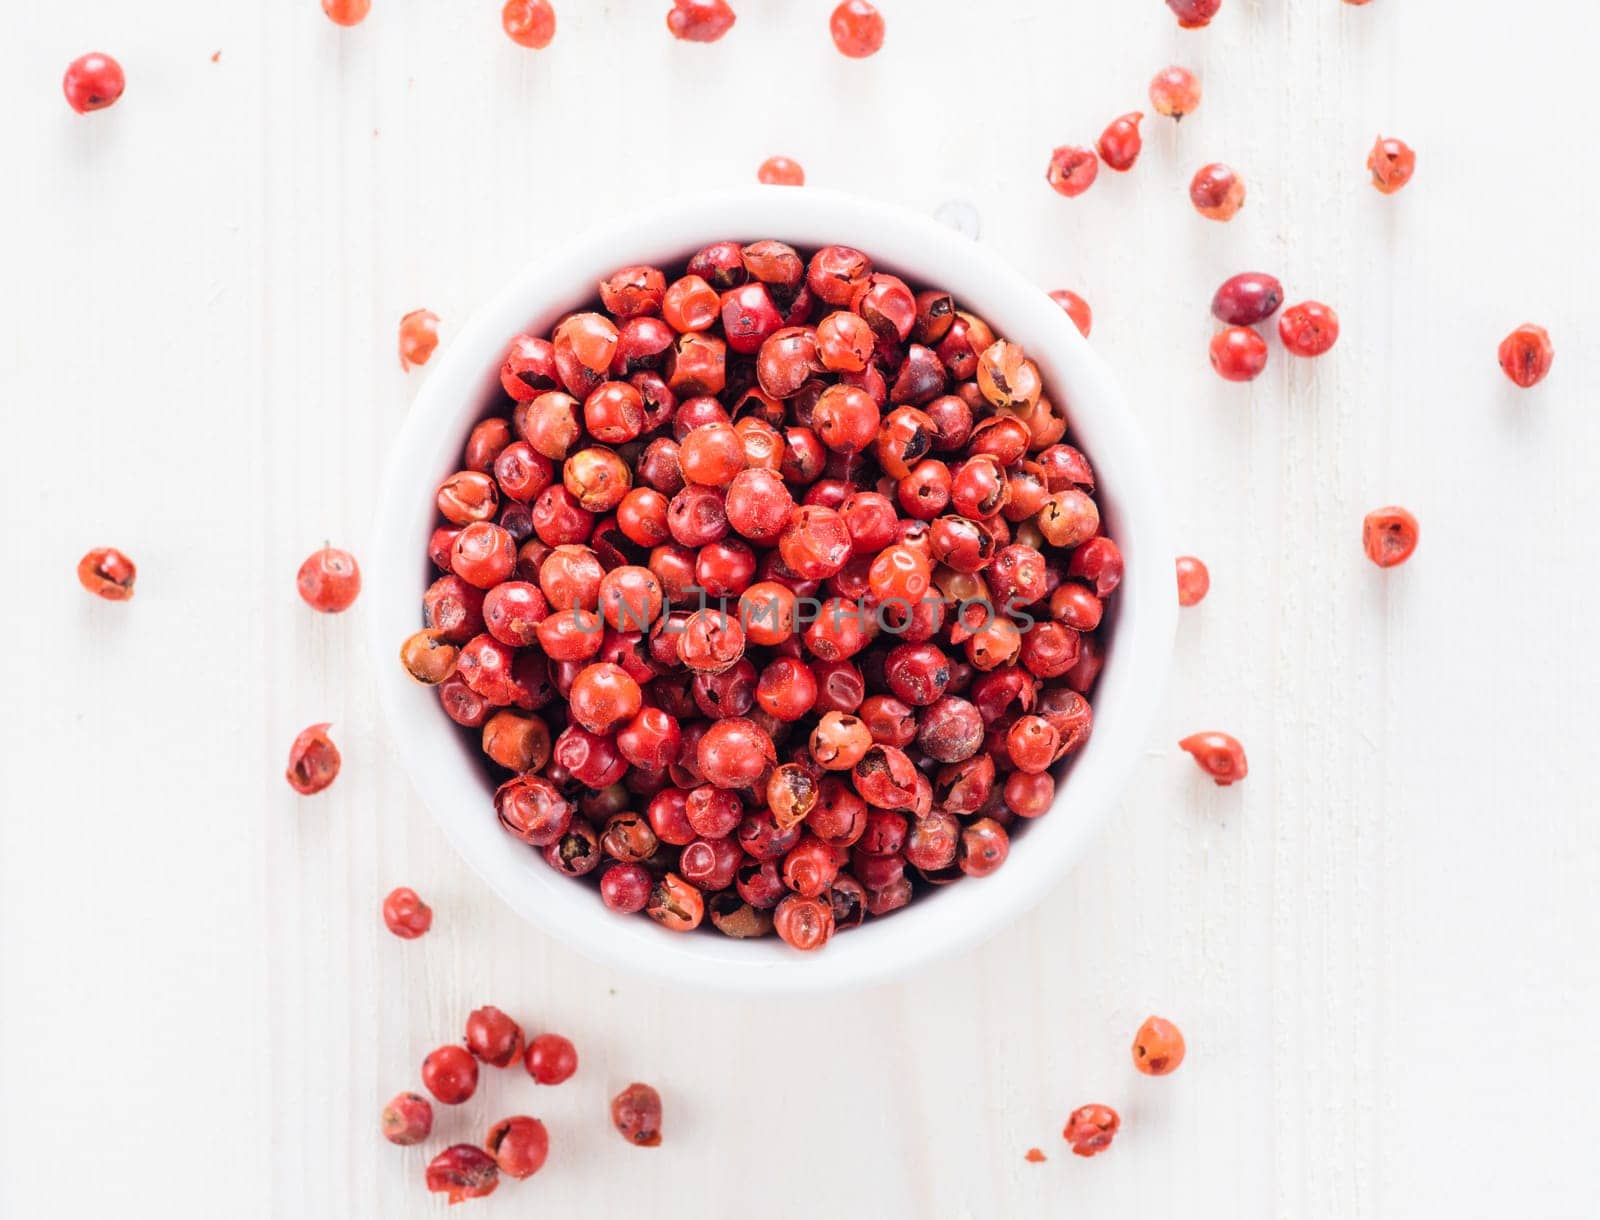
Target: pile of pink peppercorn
772	592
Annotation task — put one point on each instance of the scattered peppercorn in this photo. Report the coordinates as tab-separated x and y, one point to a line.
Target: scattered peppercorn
1175	92
551	1059
450	1074
857	28
405	914
1090	1129
1308	329
1075	308
1247	299
781	171
529	23
700	20
1158	1047
493	1037
1389	536
313	761
1194	581
107	572
1072	169
407	1119
1217	192
636	1113
1526	355
419	336
347	12
1193	14
329	580
519	1146
93	82
1218	755
1238	354
463	1171
1121	143
1392	163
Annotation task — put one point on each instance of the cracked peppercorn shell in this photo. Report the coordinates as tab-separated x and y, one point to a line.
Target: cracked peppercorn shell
313	761
1219	755
1090	1129
463	1171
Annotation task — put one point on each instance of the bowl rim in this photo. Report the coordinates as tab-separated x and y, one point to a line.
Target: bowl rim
1132	683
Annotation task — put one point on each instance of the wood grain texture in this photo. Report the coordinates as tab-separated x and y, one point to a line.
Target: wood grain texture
1380	946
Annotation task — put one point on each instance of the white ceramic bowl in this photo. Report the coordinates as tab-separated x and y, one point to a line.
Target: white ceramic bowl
464	382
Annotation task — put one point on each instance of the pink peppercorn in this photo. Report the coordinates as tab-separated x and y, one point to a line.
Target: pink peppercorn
93	82
463	1171
407	1119
1193	14
1217	192
313	761
1219	755
1392	163
1076	308
1526	355
551	1059
419	336
1072	169
1194	581
700	20
1389	535
1308	329
329	580
1090	1129
1175	92
405	914
1238	354
529	23
781	171
347	12
857	29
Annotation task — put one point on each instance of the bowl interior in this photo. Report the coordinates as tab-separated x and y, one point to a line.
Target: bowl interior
464	386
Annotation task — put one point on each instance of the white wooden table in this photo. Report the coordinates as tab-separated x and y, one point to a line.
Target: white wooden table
1381	946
